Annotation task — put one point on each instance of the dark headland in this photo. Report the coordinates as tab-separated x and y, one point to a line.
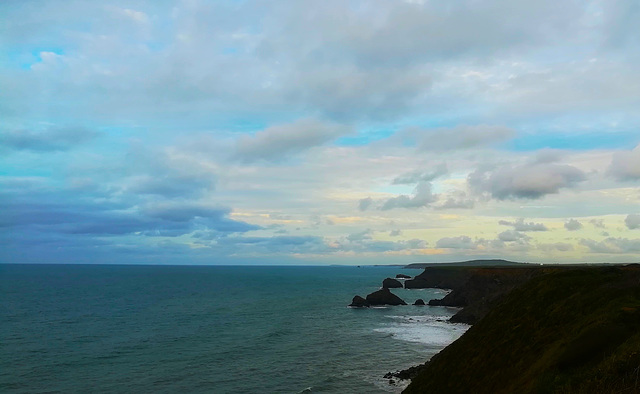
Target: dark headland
536	329
469	263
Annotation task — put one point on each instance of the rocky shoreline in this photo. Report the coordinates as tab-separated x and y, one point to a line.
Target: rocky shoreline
569	329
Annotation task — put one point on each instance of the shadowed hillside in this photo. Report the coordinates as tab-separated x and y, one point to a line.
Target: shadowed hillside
565	330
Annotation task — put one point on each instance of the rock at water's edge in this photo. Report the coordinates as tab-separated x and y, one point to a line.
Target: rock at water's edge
390	283
419	301
384	297
403	276
359	302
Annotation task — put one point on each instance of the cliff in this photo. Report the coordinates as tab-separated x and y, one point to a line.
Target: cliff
571	330
483	288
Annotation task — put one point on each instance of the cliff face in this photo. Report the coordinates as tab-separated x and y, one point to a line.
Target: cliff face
563	330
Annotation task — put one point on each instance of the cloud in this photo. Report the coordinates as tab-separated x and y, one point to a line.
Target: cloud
512	236
215	92
458	138
345	92
456	200
368	245
363	242
632	221
521	225
461	242
452	203
559	246
598	223
573	225
365	203
384	34
278	142
625	165
395	233
612	245
100	212
284	244
366	234
52	139
548	155
529	181
421	198
418	176
165	172
171	184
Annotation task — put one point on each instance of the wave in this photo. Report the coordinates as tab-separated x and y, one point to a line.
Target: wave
430	330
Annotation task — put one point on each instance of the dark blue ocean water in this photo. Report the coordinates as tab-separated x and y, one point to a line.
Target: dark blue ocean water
82	328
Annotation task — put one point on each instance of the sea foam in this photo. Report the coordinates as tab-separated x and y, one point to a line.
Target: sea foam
433	331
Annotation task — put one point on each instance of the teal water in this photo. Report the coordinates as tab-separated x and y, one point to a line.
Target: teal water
82	328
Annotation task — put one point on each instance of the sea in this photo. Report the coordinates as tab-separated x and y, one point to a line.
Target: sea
210	329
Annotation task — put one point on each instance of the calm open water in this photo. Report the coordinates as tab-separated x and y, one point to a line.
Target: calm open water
81	328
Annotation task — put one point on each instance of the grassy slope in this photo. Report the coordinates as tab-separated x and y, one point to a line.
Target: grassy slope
566	331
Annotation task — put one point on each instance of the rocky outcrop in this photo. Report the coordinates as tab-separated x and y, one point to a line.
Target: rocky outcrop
403	276
384	297
406	374
390	283
419	301
359	302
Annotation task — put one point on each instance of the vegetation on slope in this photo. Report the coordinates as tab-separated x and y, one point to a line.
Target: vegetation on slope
564	331
483	288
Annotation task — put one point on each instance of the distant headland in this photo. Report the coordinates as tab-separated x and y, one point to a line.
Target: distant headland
469	263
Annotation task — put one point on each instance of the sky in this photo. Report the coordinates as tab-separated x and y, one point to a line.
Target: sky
308	132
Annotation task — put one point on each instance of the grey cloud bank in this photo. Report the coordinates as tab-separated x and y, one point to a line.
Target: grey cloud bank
529	181
626	165
50	139
278	142
421	198
632	221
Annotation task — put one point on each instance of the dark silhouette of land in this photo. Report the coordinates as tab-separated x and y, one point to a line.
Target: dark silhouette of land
536	329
